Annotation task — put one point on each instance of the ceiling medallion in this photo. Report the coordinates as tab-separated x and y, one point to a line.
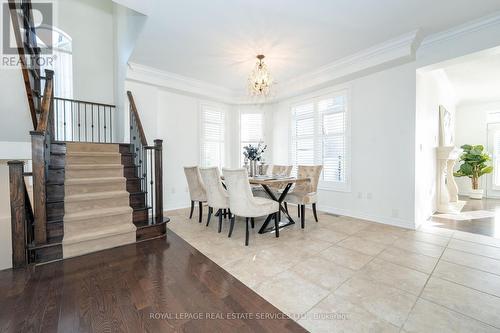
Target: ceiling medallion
260	81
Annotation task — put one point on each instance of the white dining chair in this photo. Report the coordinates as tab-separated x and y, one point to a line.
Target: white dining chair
197	190
244	204
217	197
306	193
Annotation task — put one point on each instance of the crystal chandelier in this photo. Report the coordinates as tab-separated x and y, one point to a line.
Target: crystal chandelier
260	81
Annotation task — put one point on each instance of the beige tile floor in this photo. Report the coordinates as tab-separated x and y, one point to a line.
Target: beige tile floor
347	275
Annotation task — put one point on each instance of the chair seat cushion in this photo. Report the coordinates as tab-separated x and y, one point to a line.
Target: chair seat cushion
302	198
265	207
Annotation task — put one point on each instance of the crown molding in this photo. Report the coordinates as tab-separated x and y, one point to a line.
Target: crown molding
168	80
463	29
397	49
402	48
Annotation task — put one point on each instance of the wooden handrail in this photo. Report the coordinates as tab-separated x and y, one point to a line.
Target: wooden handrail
43	124
22	57
133	108
84	102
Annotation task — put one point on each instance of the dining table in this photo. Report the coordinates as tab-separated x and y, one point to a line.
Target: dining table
269	183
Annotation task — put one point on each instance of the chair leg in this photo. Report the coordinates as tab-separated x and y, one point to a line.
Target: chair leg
302	216
229	212
220	223
200	206
298	210
225	213
247	234
286	207
315	212
252	221
276	225
231	226
192	210
210	211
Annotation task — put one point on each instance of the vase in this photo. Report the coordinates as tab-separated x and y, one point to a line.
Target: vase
476	194
253	168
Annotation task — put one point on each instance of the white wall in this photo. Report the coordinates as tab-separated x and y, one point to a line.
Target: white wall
174	118
381	108
90	25
433	90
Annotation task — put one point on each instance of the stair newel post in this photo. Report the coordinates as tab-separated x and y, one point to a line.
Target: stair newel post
38	155
17	213
159	180
49	79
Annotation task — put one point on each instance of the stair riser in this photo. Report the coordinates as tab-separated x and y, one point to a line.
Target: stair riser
94	173
93	147
89	205
94	188
101	220
95	223
71	250
93	159
140	215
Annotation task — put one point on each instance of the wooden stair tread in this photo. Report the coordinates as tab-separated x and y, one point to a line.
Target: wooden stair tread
147	223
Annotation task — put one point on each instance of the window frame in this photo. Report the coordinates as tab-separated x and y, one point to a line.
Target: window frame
201	140
240	141
318	136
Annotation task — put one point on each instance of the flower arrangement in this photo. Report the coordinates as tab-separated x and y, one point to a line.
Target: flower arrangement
254	153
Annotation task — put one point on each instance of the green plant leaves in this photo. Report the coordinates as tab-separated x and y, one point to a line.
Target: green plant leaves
474	162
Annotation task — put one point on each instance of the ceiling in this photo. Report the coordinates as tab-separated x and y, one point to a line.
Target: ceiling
216	41
476	81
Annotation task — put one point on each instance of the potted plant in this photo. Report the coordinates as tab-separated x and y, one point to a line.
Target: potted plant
254	154
475	163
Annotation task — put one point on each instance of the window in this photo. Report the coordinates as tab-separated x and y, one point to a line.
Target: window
252	131
319	136
212	136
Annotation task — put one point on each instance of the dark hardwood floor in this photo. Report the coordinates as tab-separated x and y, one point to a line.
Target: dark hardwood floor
156	286
485	226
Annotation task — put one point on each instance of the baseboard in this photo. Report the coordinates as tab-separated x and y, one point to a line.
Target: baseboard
368	217
176	207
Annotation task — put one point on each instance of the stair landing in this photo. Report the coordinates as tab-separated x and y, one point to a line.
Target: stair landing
97	214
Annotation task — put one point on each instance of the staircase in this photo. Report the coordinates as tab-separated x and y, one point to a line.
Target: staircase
97	214
89	193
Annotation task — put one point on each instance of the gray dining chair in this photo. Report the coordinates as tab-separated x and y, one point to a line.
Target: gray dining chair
197	190
306	193
242	202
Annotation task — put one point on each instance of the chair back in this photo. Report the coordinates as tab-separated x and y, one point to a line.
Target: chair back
196	187
313	173
282	170
238	188
216	194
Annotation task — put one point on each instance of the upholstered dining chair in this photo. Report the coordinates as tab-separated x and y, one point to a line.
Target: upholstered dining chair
197	190
306	193
276	170
244	204
217	197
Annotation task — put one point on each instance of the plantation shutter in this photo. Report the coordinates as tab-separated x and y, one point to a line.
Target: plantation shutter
303	135
212	136
496	160
333	128
319	137
251	129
